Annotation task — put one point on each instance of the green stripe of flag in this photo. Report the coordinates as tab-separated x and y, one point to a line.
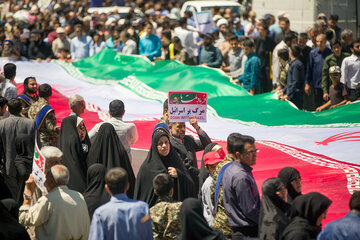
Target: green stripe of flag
228	100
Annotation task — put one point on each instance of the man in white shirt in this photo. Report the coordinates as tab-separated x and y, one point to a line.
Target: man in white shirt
7	85
127	132
186	37
130	46
61	42
289	39
350	70
80	46
61	214
250	28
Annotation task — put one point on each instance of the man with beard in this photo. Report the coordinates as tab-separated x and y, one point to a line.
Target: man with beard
61	42
45	118
29	96
186	146
210	55
38	49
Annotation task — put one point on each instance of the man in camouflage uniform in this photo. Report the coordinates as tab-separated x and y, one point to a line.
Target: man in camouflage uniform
165	213
46	123
220	221
28	97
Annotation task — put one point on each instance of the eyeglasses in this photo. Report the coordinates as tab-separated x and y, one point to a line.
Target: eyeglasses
253	152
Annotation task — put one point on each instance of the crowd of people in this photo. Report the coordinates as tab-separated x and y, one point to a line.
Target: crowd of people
92	191
262	54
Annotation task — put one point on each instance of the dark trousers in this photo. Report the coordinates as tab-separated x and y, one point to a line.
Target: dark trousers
238	233
354	95
318	97
23	169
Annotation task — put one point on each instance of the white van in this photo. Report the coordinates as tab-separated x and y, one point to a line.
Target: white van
199	6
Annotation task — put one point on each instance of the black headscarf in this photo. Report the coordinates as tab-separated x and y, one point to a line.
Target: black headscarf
12	206
287	175
95	194
272	212
109	151
194	225
24	145
4	189
203	173
154	164
10	228
74	157
304	212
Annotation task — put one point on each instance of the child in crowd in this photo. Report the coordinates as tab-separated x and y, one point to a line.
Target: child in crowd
338	92
211	160
283	55
65	55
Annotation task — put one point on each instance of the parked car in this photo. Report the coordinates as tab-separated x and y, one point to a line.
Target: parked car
199	6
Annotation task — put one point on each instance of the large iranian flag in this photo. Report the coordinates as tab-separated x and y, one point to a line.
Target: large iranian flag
323	146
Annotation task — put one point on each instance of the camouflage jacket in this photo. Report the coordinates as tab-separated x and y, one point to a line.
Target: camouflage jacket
26	106
162	120
48	131
221	220
165	219
284	69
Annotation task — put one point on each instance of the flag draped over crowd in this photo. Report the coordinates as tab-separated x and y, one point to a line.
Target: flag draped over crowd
323	146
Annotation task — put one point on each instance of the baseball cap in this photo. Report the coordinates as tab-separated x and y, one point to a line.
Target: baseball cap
334	69
212	158
268	16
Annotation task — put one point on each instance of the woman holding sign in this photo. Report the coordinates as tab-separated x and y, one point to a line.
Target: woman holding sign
162	158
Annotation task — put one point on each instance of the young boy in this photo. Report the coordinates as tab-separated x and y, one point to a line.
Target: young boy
338	92
165	213
283	55
251	76
211	160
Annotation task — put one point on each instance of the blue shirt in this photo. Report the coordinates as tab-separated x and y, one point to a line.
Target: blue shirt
241	196
110	44
346	228
275	28
121	218
150	46
315	66
212	56
96	3
251	76
295	79
239	32
81	48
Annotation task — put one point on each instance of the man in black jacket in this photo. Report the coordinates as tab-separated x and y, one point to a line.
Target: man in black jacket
186	146
38	49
